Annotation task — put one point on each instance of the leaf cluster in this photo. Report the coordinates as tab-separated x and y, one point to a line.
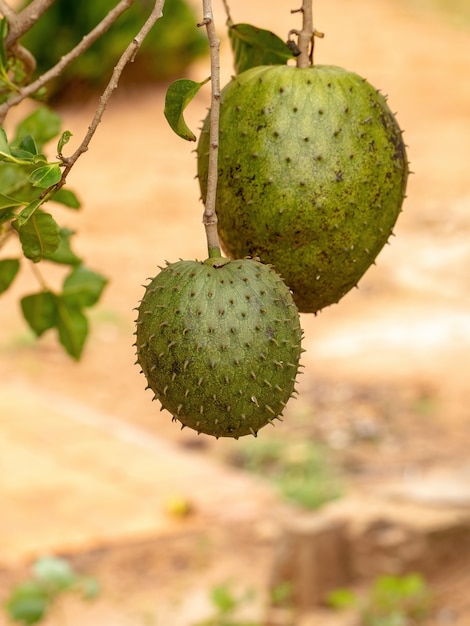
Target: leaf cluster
52	578
28	180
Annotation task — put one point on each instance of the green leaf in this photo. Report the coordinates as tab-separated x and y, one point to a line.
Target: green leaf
4	147
8	270
178	96
64	139
29	145
83	288
73	328
46	176
43	124
27	604
40	159
21	155
67	198
28	211
254	46
40	311
39	236
64	254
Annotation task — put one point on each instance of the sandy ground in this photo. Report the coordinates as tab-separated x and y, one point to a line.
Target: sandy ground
405	333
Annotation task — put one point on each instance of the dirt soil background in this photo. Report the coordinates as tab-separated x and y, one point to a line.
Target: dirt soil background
389	363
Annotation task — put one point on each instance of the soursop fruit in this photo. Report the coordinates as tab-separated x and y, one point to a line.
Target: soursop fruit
219	343
312	176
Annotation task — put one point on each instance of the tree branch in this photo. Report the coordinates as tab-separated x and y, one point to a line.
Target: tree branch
128	56
7	11
306	36
20	23
67	59
209	218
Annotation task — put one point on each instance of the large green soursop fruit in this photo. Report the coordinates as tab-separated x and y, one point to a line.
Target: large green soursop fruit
312	176
219	344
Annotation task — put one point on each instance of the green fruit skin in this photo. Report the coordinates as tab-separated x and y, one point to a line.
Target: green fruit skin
219	344
312	176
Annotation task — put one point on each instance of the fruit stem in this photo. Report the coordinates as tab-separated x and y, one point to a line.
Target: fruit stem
306	37
209	218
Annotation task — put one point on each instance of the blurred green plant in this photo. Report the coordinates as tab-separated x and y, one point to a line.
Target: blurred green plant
227	606
391	601
300	470
52	578
170	47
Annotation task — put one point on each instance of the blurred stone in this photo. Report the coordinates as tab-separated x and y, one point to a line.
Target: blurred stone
313	556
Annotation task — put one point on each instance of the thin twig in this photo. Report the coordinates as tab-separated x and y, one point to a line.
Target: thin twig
306	36
67	59
39	277
209	218
127	57
7	11
20	23
227	12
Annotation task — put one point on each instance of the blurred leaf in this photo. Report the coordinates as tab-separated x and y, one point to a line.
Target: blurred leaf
254	46
46	176
64	254
282	594
6	215
83	288
6	202
39	236
54	573
73	328
174	38
67	198
22	155
40	311
14	182
27	604
89	587
342	599
43	124
4	147
8	270
178	96
3	34
223	599
29	145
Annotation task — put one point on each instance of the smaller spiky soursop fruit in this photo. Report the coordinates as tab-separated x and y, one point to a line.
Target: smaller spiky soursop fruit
219	343
312	175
